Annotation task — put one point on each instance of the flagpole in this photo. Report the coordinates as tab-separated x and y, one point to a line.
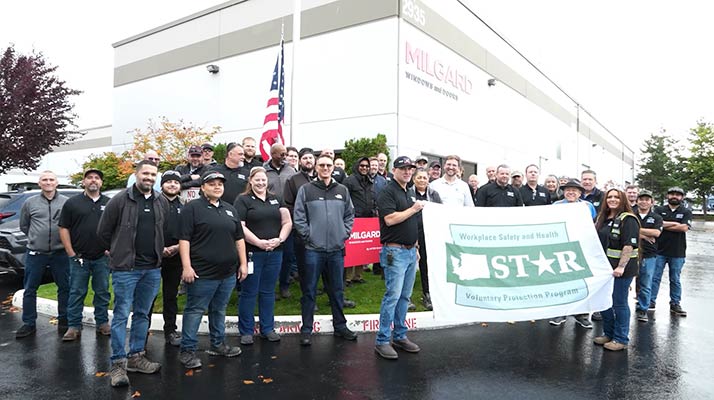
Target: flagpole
297	10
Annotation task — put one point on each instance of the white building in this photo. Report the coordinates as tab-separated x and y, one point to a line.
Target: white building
426	73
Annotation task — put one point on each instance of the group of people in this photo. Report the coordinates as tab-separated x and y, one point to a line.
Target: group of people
257	224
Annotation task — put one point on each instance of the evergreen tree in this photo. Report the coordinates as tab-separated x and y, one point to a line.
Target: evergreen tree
658	167
699	170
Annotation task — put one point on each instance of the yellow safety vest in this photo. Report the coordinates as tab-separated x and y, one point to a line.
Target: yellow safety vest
615	233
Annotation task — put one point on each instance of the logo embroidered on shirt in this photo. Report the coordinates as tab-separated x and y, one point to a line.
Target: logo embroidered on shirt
338	196
509	194
229	212
273	202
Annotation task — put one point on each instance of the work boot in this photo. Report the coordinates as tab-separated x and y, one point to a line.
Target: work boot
652	307
676	309
406	345
305	339
345	333
25	331
427	302
138	362
601	340
386	351
173	338
189	359
118	373
72	334
614	346
224	350
411	306
104	329
597	316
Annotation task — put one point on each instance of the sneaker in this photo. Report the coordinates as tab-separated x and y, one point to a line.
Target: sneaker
173	338
557	321
189	360
305	339
411	306
584	321
224	350
271	336
641	315
614	346
104	329
386	351
71	335
25	331
676	309
601	340
346	334
349	304
427	302
118	374
138	362
652	306
246	340
597	316
406	345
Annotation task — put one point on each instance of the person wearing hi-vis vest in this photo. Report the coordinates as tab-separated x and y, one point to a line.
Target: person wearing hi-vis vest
619	230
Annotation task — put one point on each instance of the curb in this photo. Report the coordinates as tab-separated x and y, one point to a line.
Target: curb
284	324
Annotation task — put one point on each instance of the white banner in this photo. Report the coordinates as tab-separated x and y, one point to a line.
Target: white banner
515	264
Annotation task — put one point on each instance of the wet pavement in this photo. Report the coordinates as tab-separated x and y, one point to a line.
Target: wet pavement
668	358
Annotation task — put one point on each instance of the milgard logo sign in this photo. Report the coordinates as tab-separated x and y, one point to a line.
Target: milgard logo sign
437	68
515	266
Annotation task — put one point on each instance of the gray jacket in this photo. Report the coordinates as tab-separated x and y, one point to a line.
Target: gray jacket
323	215
277	178
39	220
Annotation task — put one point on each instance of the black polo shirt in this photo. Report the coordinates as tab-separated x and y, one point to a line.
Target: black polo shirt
171	232
673	244
392	199
236	181
535	197
495	195
649	221
212	232
80	214
146	257
260	217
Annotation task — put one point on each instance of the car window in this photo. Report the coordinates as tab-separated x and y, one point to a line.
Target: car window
4	200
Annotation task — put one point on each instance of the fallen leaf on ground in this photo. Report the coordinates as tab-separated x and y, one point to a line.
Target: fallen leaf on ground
532	321
100	374
189	372
53	321
211	365
136	394
268	380
273	357
484	324
248	382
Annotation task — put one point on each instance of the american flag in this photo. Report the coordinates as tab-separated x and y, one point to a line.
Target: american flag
275	113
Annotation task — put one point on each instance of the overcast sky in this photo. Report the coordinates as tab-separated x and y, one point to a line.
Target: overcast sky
637	66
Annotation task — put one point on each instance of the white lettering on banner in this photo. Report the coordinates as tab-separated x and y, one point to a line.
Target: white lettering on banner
364	235
486	264
437	68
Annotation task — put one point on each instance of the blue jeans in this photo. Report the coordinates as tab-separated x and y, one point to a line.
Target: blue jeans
202	295
675	270
78	281
35	264
647	269
399	276
133	290
260	284
332	263
616	320
289	263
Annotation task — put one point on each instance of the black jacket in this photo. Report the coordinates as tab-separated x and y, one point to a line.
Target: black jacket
117	228
361	189
185	171
292	185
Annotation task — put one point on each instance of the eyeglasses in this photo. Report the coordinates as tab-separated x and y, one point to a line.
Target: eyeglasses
364	166
153	158
324	165
207	150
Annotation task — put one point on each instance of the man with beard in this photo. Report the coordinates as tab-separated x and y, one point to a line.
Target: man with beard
453	191
132	227
500	193
532	193
672	248
78	231
277	170
360	185
191	173
251	158
651	229
235	172
154	158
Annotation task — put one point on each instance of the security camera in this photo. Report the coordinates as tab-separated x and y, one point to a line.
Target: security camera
492	82
212	68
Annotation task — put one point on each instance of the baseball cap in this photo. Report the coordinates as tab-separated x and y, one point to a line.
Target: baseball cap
422	159
96	171
170	175
211	175
645	193
516	173
675	189
434	163
207	146
194	150
403	161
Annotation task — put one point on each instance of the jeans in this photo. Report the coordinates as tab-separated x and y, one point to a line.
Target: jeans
260	285
35	264
616	320
78	281
211	295
289	262
332	263
647	269
675	286
399	277
133	290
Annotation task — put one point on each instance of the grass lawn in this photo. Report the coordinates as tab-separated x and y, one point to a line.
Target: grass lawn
368	297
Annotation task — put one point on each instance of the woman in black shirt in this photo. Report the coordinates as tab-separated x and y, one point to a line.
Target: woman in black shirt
424	192
618	229
266	225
